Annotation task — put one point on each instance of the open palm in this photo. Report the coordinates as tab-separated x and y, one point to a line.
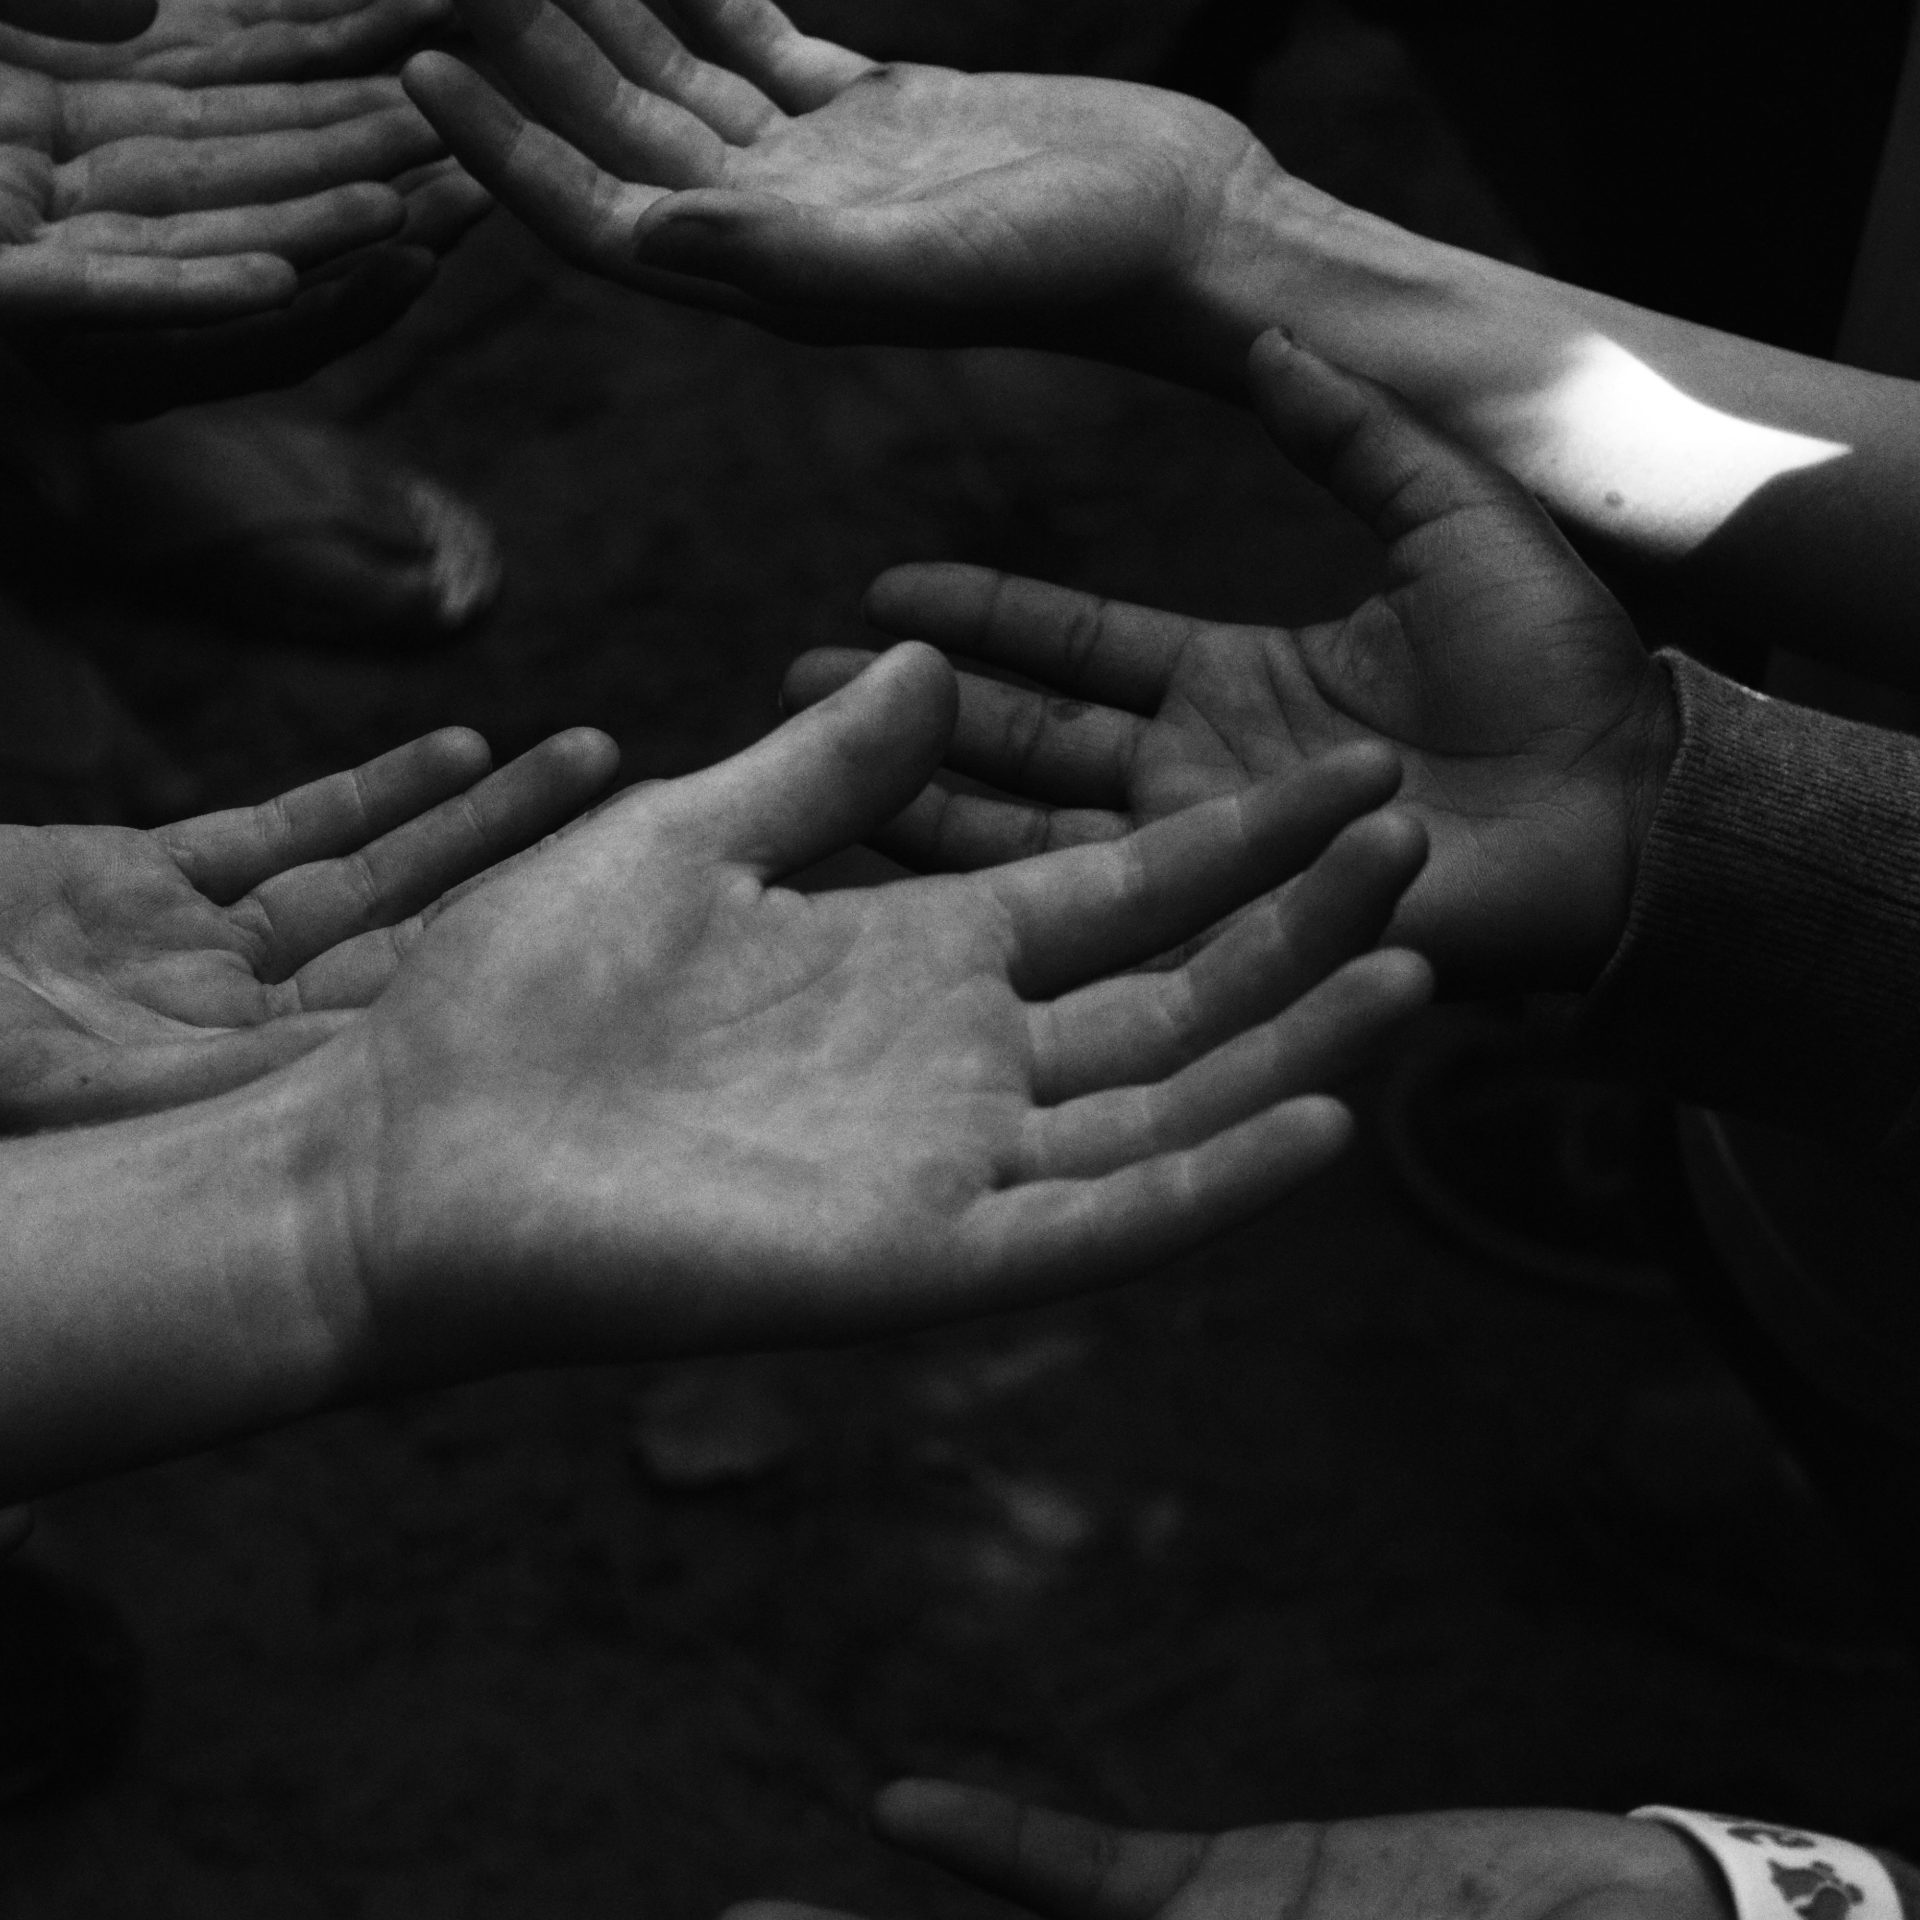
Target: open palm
1529	718
820	192
136	202
637	1097
200	43
142	969
1528	1864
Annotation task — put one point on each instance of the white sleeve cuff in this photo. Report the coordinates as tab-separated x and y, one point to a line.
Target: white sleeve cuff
1786	1873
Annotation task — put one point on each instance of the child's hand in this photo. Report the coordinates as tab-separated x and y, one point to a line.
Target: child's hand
1534	729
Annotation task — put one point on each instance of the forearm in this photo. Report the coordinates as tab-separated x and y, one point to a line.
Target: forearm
1780	492
169	1282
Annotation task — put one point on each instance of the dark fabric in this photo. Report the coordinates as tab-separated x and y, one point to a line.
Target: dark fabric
1771	963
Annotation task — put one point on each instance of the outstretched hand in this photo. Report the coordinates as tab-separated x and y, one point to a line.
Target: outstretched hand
1531	1864
142	970
636	1097
1534	729
133	202
796	182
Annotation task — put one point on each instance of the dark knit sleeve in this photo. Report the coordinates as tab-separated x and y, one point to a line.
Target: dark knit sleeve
1771	963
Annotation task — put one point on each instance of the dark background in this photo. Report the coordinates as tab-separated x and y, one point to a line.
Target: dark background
1301	1527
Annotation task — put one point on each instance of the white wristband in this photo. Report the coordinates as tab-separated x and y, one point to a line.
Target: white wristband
1786	1873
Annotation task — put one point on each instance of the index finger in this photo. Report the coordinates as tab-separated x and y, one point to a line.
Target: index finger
1092	910
229	853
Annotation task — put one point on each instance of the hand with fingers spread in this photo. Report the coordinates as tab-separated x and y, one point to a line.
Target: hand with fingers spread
1530	1864
1534	729
634	1097
139	970
202	43
137	203
796	182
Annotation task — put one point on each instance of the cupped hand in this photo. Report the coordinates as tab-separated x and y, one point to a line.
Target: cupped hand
801	184
1529	1864
136	203
131	374
140	970
1533	727
201	43
636	1097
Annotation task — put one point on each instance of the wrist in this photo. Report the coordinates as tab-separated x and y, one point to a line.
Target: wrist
173	1281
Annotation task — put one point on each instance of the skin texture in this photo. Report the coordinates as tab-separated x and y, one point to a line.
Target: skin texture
1533	727
794	182
828	196
142	969
634	1097
1533	1864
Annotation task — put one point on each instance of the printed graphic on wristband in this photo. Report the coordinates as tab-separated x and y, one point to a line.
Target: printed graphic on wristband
1786	1873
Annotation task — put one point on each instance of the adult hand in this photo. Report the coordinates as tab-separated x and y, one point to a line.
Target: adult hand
201	43
803	185
635	1097
129	202
1531	1864
142	970
1533	727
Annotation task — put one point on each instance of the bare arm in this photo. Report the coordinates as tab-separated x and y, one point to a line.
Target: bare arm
797	184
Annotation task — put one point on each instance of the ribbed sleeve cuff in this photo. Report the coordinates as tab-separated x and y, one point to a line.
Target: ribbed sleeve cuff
1771	962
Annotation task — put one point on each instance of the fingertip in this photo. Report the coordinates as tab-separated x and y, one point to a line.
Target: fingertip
818	673
1365	774
461	750
1322	1128
1395	838
591	754
903	1809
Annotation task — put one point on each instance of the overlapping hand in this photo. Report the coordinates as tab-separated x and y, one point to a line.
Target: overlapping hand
1530	1864
143	969
1534	728
795	181
636	1097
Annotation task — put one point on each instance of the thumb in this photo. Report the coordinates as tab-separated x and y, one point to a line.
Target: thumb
836	773
1364	444
1056	1863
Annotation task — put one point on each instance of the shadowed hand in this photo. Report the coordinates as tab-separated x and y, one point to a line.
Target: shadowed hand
140	970
1533	726
1530	1864
824	195
132	202
636	1097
